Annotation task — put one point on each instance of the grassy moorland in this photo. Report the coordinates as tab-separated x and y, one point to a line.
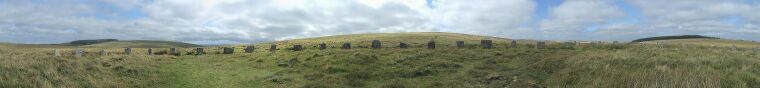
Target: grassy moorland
606	66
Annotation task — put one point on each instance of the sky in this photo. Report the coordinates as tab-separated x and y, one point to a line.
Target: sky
251	21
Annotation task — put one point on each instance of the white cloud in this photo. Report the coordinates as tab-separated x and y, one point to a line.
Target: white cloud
574	16
489	17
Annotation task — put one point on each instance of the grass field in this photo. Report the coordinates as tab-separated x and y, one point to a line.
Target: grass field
605	66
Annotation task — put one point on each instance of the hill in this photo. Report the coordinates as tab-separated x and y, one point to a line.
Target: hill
584	66
141	44
673	37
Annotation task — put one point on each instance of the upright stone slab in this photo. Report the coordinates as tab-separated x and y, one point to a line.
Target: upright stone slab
403	45
199	51
79	52
173	51
127	51
103	52
346	46
487	44
514	44
541	45
228	50
460	44
297	48
431	45
376	44
150	51
322	46
249	49
56	52
733	47
273	47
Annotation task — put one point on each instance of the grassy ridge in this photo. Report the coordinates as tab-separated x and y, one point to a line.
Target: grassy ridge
607	66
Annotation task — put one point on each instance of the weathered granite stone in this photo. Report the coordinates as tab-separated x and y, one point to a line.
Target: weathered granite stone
150	51
103	52
127	51
431	45
273	47
228	50
174	51
346	46
514	44
322	46
376	44
460	44
249	49
403	45
56	52
541	45
78	52
487	44
199	51
297	48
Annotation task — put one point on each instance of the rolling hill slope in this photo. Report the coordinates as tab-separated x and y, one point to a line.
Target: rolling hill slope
141	44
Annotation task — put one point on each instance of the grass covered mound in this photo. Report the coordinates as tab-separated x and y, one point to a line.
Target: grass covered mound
673	37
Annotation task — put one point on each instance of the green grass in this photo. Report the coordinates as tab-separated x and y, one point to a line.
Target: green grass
606	66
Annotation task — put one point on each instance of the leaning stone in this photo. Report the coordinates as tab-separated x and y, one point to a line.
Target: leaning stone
297	48
431	45
487	44
228	50
460	44
376	44
403	45
346	46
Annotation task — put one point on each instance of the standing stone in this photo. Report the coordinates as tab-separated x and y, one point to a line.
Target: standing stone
431	45
733	48
228	50
460	44
273	48
199	51
376	44
487	44
173	51
660	45
643	45
79	52
403	45
127	51
150	51
346	46
103	52
514	44
541	45
56	52
249	49
297	48
322	46
756	50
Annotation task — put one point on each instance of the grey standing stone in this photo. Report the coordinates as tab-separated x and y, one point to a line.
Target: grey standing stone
297	48
733	47
127	51
273	48
228	50
199	51
403	45
514	44
756	50
460	44
346	46
431	45
541	45
173	51
56	52
249	49
322	46
150	51
79	52
103	52
376	44
487	44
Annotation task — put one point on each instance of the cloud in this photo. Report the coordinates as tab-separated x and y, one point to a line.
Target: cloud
488	17
573	17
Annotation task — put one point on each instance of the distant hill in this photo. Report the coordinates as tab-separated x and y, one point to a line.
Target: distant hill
416	39
142	44
673	37
105	43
